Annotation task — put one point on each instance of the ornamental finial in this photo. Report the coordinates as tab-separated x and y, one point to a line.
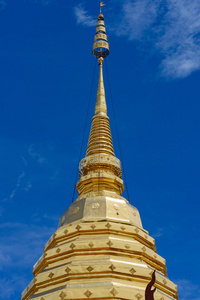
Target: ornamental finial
101	4
100	47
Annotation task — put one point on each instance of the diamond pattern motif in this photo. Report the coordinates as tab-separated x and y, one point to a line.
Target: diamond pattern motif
88	293
78	227
112	267
51	275
123	228
109	243
114	292
91	245
67	270
72	246
58	250
66	231
108	225
93	226
90	269
132	271
62	295
138	296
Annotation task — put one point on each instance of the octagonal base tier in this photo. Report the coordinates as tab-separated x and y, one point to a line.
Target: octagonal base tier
101	252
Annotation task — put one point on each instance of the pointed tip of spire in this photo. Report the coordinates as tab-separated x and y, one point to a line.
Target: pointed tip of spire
101	107
101	5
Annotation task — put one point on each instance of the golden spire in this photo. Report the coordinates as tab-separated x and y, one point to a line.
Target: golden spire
100	49
100	171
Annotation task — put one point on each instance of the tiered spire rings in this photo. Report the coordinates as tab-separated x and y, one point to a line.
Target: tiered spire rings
100	46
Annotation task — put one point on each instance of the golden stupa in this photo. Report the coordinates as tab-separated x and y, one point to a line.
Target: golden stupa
100	249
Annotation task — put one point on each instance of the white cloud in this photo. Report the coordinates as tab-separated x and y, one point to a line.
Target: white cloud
19	179
3	4
82	16
21	185
180	39
172	27
137	17
188	290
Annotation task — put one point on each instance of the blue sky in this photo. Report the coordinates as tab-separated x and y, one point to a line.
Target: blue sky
45	78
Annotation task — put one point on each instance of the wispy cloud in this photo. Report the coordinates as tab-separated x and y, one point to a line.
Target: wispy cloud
158	233
180	39
19	179
3	4
171	27
82	16
20	185
24	161
28	248
52	218
137	17
38	218
21	246
37	156
188	290
8	286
